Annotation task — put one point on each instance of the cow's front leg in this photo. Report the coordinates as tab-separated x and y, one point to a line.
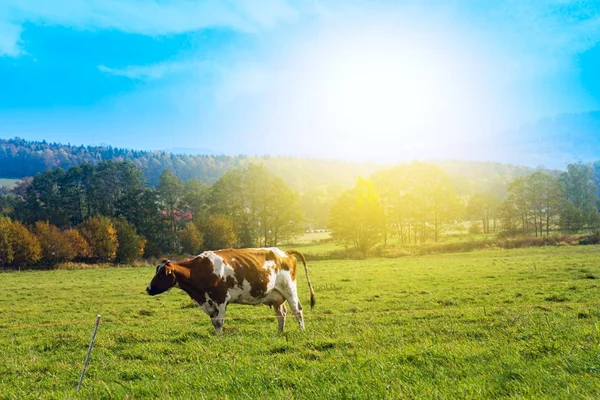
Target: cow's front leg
216	312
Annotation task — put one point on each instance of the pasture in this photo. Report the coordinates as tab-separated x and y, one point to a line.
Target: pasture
490	324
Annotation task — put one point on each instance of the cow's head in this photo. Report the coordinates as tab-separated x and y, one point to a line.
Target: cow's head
163	280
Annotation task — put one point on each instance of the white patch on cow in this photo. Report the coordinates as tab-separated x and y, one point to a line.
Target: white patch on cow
218	265
269	264
208	306
217	262
284	280
241	295
228	271
277	251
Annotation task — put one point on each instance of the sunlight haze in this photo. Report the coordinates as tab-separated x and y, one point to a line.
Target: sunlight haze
360	80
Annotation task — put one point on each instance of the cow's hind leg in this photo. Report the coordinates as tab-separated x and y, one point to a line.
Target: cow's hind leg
281	312
291	295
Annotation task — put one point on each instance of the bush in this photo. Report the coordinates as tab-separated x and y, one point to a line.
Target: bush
56	247
388	252
152	250
191	239
19	247
80	246
131	245
101	235
7	254
475	228
594	238
219	232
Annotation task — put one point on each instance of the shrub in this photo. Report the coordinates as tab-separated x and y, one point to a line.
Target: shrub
101	235
80	246
152	250
219	232
6	250
55	246
474	228
191	239
594	238
131	245
20	247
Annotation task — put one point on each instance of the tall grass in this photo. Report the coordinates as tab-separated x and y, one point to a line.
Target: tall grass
521	323
331	251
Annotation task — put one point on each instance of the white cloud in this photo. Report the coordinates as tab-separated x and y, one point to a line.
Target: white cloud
9	39
266	13
153	71
152	17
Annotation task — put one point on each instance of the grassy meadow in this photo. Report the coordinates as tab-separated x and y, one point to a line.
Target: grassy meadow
488	324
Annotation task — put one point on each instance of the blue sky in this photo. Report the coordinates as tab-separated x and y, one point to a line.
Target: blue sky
376	80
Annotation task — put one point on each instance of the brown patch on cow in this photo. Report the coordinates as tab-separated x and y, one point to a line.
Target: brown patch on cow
271	256
290	264
248	265
230	281
219	293
196	277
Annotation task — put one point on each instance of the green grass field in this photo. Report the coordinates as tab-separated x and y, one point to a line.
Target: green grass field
519	323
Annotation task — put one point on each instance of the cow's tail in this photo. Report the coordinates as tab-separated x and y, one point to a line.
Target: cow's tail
301	257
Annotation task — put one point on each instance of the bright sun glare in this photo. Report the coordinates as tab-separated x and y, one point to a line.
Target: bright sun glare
381	95
375	93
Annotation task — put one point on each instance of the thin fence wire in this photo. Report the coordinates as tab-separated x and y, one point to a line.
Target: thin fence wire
484	309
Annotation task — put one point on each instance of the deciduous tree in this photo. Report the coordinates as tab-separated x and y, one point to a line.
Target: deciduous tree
101	235
357	219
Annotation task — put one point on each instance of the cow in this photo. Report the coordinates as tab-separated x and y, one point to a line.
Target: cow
214	279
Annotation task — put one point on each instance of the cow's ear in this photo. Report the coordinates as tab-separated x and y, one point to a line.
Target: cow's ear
169	269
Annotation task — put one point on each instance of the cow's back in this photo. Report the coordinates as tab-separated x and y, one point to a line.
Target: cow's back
253	274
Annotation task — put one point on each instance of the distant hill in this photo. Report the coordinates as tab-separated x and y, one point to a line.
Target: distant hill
551	142
20	158
8	183
188	150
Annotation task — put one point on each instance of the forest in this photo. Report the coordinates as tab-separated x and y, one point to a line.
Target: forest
110	211
20	158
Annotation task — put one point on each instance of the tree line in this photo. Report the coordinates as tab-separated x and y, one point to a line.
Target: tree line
318	181
107	212
21	158
408	204
417	203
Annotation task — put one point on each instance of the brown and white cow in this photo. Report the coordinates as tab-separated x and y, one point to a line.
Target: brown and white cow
245	276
